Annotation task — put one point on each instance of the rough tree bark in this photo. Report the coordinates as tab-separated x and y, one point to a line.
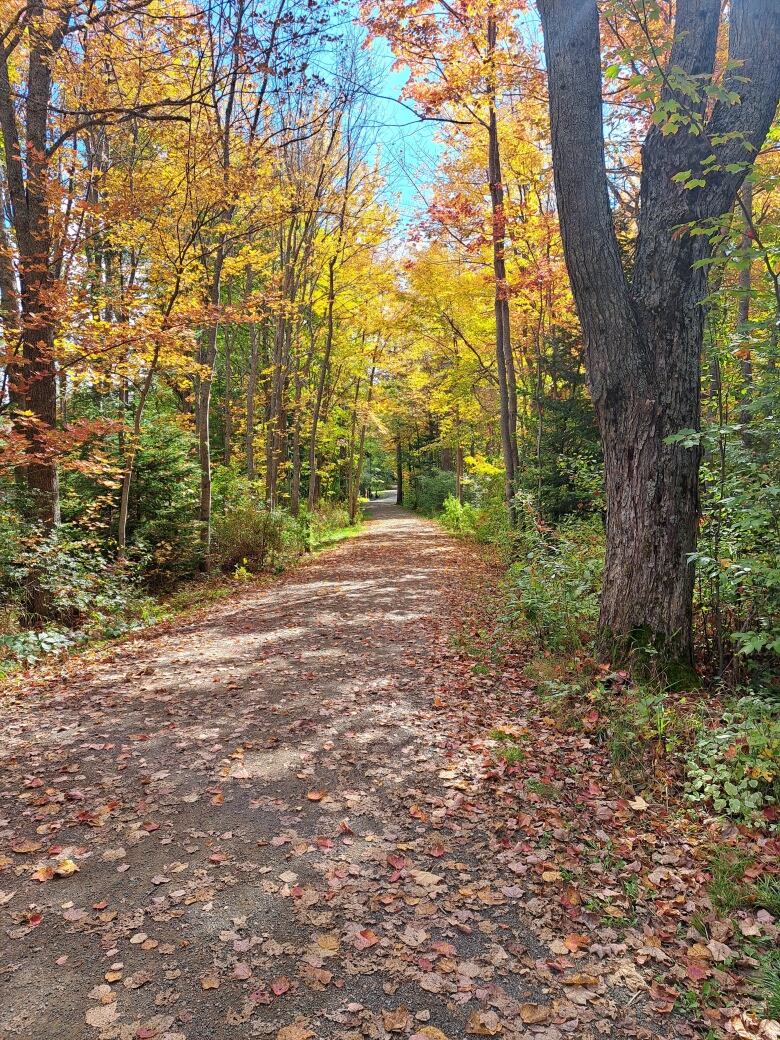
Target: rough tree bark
643	331
27	167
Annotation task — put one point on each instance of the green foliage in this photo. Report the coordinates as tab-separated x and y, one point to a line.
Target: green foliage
457	516
555	581
737	559
329	521
163	533
88	596
429	490
735	766
253	538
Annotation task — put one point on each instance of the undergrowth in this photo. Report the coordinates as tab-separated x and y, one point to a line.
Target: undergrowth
94	599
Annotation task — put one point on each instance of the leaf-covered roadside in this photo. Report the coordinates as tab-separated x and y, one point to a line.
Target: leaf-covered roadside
627	885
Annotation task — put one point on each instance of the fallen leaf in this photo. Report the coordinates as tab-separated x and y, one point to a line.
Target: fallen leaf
102	1017
535	1014
484	1023
365	939
397	1021
25	845
699	952
297	1031
581	978
280	985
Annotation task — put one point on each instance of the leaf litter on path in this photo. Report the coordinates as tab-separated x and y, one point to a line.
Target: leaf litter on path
323	845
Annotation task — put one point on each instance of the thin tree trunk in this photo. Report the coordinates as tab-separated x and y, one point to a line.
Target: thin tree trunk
743	310
295	479
228	411
507	383
251	389
208	355
321	382
399	472
275	426
355	483
132	451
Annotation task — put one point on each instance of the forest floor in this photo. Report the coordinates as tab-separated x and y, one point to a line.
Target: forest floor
284	817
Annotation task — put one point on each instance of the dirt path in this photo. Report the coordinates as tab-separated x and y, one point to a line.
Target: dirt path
278	831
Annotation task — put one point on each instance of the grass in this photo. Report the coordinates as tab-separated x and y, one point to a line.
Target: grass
547	791
766	894
511	755
728	890
769	983
508	750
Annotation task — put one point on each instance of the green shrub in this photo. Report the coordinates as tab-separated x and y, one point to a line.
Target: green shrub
554	583
88	596
458	516
735	766
163	532
254	537
429	490
329	518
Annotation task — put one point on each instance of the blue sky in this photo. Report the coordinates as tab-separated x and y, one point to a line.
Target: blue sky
408	146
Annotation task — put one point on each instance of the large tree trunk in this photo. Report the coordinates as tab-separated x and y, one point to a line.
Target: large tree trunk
644	336
28	190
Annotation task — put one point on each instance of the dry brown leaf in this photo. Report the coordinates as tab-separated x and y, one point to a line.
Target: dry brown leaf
581	978
535	1014
484	1023
699	952
398	1020
25	845
296	1031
